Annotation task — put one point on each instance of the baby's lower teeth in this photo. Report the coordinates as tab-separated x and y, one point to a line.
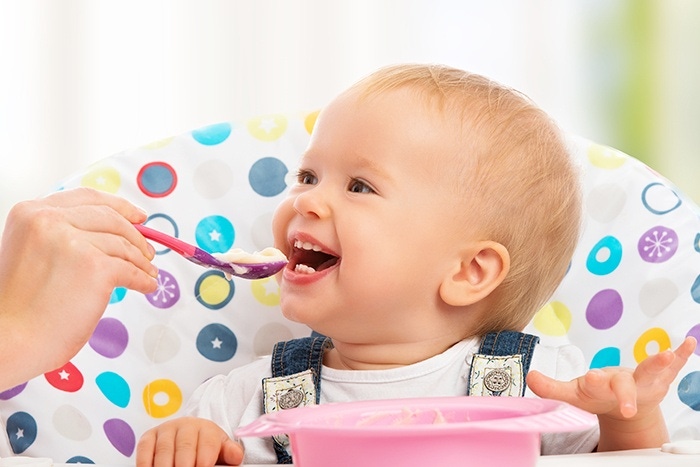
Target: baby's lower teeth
304	269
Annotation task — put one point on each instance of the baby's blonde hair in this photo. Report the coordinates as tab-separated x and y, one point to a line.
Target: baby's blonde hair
515	175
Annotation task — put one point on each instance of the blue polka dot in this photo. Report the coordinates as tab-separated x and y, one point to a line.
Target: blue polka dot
222	294
157	179
605	256
114	388
165	224
609	356
213	134
267	175
118	295
689	390
216	342
695	290
80	460
659	199
215	234
21	431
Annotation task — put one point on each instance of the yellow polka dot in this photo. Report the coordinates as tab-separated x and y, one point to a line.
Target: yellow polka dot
103	179
310	121
214	289
606	157
266	291
554	319
162	389
657	335
158	144
267	128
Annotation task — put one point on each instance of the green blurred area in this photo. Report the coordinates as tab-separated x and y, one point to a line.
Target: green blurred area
643	61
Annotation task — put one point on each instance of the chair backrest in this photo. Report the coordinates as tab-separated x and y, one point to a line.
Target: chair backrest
633	286
214	187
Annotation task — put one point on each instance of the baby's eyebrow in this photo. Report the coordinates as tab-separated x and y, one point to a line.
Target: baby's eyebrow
369	164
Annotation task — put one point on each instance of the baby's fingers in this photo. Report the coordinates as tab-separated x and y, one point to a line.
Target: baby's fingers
665	365
548	388
624	389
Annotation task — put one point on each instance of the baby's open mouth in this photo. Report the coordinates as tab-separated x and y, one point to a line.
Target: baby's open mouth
308	258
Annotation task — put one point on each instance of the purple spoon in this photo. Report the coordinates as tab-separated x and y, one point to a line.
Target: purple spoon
202	258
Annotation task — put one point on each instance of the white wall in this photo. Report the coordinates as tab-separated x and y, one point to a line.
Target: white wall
83	79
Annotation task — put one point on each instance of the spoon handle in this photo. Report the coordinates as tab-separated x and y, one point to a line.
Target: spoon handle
175	244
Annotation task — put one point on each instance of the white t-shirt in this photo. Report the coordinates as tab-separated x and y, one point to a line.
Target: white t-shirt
235	399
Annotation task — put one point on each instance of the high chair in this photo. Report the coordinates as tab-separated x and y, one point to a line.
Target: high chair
633	287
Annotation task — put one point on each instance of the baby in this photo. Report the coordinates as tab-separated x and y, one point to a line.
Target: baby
434	213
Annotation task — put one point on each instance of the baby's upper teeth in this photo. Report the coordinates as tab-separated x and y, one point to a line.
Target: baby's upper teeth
306	245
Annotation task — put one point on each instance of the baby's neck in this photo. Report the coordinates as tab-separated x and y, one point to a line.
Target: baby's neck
347	356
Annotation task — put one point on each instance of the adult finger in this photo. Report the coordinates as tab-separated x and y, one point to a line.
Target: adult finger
82	196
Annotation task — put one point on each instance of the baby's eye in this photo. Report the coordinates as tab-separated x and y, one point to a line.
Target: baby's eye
305	177
359	186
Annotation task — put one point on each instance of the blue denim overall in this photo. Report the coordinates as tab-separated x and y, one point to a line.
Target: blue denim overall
497	369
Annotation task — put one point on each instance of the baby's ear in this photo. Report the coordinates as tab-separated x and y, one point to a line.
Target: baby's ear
476	274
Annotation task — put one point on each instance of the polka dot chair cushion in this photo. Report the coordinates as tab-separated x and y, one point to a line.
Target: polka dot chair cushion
633	287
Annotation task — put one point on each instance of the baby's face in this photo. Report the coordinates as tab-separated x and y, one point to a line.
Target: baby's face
371	225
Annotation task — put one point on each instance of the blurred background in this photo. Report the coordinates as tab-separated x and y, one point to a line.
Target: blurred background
83	79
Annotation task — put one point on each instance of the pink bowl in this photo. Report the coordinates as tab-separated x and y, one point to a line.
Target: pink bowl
442	431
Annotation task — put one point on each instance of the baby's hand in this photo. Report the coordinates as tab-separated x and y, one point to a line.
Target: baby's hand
616	391
185	442
618	394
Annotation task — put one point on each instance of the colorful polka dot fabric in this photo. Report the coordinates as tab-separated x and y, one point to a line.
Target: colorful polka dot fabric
215	187
633	287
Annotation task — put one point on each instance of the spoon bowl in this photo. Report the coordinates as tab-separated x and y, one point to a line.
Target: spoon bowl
202	258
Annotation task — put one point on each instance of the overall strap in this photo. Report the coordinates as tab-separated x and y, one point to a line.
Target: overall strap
501	365
296	381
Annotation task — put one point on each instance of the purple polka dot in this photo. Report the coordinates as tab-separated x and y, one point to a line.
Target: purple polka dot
12	392
605	309
695	332
120	434
657	244
167	293
110	338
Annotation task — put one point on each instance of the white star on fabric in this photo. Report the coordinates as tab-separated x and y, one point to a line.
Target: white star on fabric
216	343
101	181
268	124
64	375
215	236
20	433
271	287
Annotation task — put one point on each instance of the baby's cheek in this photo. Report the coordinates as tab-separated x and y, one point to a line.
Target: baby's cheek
280	223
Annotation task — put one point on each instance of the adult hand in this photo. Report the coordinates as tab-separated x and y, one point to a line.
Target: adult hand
60	259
